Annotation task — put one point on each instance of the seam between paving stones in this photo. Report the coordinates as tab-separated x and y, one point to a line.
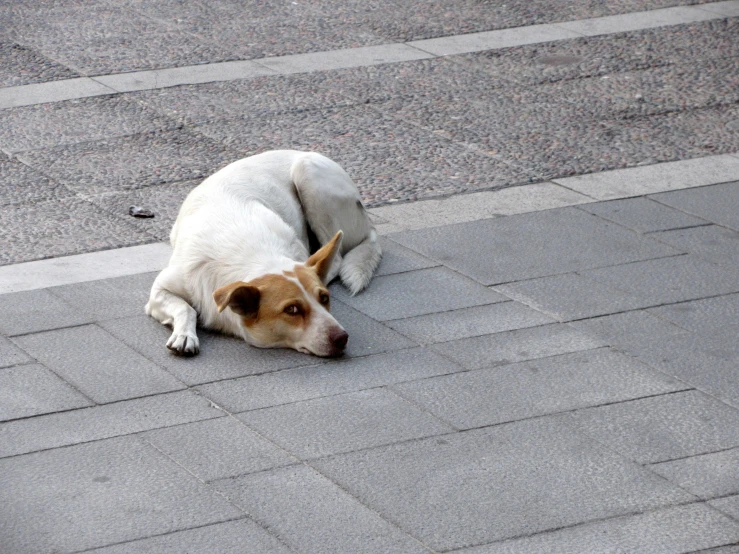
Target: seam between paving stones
160	535
305	463
214	489
590	522
695	456
651	197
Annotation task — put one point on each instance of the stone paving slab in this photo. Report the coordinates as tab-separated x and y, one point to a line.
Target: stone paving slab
102	422
521	391
417	292
59	227
706	476
517	346
469	322
643	215
532	245
343	423
571	296
11	355
37	310
82	490
232	537
220	357
296	385
217	448
484	485
713	243
32	389
728	505
702	316
717	203
23	184
662	428
679	529
74	121
99	365
312	514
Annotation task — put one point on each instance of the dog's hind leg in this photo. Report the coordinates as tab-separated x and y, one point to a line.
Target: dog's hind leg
167	307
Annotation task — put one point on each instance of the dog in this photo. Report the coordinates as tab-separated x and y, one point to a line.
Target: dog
241	261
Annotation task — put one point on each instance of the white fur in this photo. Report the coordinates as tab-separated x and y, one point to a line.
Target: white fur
250	219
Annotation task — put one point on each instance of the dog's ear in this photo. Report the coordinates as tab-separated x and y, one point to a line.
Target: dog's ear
241	297
321	261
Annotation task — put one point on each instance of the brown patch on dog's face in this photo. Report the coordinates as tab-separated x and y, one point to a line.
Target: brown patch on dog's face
291	310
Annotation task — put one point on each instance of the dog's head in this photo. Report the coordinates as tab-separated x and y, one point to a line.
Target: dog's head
289	309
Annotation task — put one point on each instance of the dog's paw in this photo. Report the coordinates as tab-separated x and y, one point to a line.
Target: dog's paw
183	344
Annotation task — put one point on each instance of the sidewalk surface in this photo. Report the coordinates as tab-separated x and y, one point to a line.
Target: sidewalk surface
546	365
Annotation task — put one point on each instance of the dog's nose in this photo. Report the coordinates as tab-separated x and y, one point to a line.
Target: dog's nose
338	338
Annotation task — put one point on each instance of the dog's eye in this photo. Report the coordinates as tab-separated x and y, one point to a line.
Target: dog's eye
293	309
324	298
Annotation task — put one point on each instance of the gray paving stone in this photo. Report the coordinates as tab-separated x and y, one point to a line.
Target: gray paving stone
642	215
83	490
29	390
230	537
11	355
728	505
23	184
81	120
730	549
397	160
131	162
707	361
661	428
108	298
469	322
55	91
197	104
398	259
217	448
620	330
519	391
669	530
701	316
60	227
713	243
103	38
531	245
706	476
311	514
517	346
667	280
366	336
21	65
717	203
164	200
639	20
96	363
101	422
296	385
606	55
220	357
36	310
486	485
335	424
572	296
419	292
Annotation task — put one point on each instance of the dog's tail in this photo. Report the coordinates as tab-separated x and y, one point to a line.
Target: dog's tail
360	263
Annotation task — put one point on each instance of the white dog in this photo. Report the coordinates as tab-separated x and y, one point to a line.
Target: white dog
241	262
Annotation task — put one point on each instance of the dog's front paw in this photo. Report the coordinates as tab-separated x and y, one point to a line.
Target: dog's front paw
183	344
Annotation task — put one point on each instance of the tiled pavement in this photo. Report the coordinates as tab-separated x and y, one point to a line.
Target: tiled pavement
564	380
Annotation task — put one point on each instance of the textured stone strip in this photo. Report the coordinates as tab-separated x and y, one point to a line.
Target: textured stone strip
69	89
41	274
53	91
650	179
462	208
